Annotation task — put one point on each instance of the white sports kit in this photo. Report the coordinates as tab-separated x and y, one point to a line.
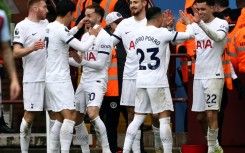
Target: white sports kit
26	33
151	44
59	87
124	32
209	76
93	84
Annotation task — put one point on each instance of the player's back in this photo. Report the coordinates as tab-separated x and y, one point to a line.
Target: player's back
26	34
57	38
102	46
151	44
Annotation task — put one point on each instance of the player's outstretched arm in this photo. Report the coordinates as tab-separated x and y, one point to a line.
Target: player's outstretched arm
218	35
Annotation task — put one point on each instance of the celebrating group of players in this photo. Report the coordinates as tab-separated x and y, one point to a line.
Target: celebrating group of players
146	35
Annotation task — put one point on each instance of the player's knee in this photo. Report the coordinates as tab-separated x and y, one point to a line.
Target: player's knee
92	114
201	117
29	116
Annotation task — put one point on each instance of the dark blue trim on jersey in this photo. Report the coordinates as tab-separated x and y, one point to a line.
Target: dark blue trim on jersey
70	40
103	52
222	30
18	43
175	36
117	37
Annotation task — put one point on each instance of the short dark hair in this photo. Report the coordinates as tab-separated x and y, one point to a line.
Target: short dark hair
65	6
97	9
31	2
152	13
208	2
223	3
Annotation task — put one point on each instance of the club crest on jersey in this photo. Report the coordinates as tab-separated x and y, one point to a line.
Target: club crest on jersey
16	32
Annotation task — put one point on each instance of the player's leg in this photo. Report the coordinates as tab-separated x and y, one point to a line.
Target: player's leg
142	107
213	95
33	95
63	97
128	100
81	130
155	129
161	103
95	96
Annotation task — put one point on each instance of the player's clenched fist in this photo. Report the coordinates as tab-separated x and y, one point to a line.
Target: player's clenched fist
38	45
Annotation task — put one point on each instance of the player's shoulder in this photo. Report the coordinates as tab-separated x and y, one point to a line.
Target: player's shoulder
44	22
126	21
220	21
104	34
24	23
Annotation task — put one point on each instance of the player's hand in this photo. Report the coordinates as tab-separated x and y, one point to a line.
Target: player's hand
40	44
168	18
75	56
81	23
14	89
196	18
94	31
184	18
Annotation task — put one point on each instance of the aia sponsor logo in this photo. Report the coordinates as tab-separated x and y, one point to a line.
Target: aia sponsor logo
204	44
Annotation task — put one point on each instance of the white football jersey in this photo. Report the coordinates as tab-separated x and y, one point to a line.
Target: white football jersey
98	55
208	52
57	39
26	33
151	44
125	31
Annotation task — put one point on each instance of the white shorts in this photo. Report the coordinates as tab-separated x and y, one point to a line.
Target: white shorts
207	94
61	96
128	92
153	100
89	95
33	96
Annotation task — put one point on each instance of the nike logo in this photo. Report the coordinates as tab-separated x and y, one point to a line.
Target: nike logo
34	34
127	32
210	105
196	33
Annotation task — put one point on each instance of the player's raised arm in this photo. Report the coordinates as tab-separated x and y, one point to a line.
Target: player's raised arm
218	35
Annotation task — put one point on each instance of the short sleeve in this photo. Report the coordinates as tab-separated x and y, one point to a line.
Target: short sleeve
19	35
65	35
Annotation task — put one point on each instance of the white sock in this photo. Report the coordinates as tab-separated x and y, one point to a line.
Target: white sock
166	134
132	132
55	137
136	142
102	134
25	134
158	143
66	133
82	137
212	137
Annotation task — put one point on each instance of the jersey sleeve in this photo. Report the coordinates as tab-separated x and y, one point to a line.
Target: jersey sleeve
19	35
65	35
5	36
117	35
216	35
